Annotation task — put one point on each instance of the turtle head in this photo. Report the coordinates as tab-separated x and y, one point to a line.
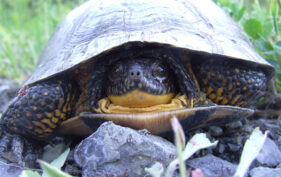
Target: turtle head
144	79
140	82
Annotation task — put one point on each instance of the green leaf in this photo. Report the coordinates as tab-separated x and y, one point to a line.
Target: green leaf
253	27
277	47
267	29
58	162
155	170
240	13
52	171
29	173
251	149
274	8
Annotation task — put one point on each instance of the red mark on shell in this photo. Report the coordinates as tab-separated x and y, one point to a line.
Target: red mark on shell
22	92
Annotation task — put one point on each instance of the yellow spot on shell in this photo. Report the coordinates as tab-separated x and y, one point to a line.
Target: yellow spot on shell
238	83
224	101
219	92
39	116
240	103
18	115
61	100
60	82
48	130
47	121
57	113
63	116
57	88
55	120
234	100
249	81
34	108
236	70
49	115
28	114
245	88
229	87
46	93
42	103
64	109
14	116
219	76
212	74
39	124
212	96
218	99
38	130
210	90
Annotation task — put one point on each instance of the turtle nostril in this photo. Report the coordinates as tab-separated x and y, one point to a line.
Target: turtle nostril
132	73
138	73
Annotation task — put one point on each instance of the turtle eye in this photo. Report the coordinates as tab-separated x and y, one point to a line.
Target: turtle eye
116	71
159	70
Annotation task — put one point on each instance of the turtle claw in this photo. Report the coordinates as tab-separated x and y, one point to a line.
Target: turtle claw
18	150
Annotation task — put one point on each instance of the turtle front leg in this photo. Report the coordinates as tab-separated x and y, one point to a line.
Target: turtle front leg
34	114
38	109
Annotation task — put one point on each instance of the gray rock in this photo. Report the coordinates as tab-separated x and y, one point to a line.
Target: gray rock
264	171
235	125
233	147
215	131
118	151
212	166
10	170
270	154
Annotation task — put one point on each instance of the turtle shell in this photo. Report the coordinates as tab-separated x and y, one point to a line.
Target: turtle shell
98	26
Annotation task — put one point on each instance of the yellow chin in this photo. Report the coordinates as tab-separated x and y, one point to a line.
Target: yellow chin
179	102
140	99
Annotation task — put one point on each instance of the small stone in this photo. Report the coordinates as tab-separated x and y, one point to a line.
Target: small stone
270	154
120	151
212	166
264	171
248	128
215	131
233	147
221	148
10	170
235	125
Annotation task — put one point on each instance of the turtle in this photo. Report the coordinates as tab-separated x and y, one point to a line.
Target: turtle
140	63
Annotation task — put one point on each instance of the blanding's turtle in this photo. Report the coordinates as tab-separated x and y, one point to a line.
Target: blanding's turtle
139	63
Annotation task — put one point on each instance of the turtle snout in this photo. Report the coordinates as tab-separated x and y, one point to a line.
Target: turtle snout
135	73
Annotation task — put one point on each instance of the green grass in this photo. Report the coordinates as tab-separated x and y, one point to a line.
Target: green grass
25	27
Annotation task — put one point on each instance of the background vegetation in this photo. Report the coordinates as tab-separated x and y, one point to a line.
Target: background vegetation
26	25
261	20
